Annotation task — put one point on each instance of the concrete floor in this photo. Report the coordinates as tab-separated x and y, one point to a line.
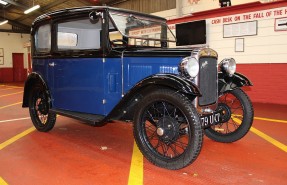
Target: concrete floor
75	153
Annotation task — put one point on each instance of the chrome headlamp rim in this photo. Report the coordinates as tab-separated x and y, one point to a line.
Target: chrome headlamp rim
189	67
228	65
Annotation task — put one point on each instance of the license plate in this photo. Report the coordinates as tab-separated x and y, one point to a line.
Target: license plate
210	119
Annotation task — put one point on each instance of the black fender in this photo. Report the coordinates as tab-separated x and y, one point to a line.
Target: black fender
227	83
32	79
173	81
133	96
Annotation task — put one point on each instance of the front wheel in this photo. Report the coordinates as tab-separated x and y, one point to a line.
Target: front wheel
167	129
39	107
238	117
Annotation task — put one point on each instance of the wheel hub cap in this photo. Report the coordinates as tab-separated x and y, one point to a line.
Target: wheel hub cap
225	112
42	107
160	131
168	129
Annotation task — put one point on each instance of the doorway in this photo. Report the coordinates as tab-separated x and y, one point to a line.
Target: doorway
19	73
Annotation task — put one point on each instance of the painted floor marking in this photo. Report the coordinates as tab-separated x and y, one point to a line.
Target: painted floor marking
17	137
265	137
269	139
8	88
2	182
10	120
11	94
136	170
14	86
264	119
10	105
273	120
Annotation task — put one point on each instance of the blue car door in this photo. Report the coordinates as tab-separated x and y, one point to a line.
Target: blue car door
78	82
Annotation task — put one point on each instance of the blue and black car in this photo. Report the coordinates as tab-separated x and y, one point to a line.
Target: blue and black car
99	64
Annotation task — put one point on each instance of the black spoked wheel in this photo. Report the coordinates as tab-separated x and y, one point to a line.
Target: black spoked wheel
39	106
236	120
167	129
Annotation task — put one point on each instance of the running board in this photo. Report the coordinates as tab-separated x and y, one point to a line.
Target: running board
91	119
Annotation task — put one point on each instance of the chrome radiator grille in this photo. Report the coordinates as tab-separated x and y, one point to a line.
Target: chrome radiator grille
207	81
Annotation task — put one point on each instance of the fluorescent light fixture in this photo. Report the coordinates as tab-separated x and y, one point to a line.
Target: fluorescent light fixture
3	2
3	22
32	9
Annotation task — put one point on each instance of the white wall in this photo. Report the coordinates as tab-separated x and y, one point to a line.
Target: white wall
13	43
6	26
268	46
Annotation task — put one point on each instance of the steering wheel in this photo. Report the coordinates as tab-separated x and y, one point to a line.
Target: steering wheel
123	42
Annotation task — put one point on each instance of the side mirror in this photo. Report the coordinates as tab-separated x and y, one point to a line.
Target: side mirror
95	17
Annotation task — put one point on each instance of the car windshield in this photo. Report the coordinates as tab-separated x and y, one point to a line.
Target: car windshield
141	29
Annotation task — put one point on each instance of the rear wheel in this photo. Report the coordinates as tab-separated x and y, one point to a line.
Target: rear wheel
39	107
237	118
167	129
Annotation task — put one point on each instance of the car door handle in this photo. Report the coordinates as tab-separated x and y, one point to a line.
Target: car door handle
52	64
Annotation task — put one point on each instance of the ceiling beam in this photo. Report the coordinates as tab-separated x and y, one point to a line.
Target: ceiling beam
17	4
42	9
55	3
10	12
114	2
15	23
15	31
86	2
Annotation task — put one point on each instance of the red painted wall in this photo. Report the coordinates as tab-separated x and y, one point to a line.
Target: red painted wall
6	75
269	82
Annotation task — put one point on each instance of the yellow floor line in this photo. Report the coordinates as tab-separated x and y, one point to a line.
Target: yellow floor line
11	94
269	139
2	182
17	137
10	105
136	170
273	120
14	86
7	89
11	120
264	119
265	137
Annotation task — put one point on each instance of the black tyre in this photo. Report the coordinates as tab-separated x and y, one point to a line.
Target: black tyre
39	106
238	117
167	129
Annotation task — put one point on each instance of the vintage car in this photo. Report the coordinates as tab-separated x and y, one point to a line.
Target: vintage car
99	64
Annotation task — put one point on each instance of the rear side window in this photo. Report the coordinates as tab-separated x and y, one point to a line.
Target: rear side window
78	35
67	39
43	38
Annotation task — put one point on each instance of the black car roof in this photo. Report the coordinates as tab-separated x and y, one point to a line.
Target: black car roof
79	10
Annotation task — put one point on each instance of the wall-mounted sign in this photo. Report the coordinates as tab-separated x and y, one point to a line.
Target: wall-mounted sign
281	24
240	29
239	45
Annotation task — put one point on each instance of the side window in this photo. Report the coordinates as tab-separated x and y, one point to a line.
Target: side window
67	39
43	38
79	35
